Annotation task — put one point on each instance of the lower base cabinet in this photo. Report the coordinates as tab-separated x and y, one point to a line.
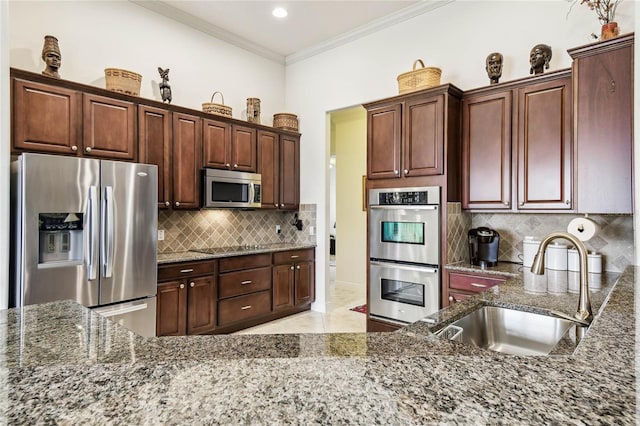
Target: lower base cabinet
463	284
233	293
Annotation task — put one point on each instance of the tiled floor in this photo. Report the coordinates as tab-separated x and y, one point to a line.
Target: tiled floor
338	318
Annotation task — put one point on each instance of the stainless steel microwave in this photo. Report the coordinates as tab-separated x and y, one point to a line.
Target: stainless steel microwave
229	189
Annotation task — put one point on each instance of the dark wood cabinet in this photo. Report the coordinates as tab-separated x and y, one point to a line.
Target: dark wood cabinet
217	144
462	285
187	161
486	151
517	145
109	128
46	118
154	147
279	165
406	135
186	298
603	104
244	149
293	278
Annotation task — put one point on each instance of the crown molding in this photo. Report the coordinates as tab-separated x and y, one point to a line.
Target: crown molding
199	24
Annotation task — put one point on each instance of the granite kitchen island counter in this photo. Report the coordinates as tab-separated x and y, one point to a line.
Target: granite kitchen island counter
61	363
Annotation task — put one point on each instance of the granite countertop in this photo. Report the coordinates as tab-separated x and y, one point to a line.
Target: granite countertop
61	363
218	252
505	269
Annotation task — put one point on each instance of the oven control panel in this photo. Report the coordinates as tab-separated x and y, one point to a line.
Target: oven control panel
427	195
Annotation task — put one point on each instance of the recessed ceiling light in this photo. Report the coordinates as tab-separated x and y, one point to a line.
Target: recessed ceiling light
279	12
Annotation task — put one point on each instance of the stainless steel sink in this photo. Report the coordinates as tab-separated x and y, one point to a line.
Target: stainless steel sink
511	331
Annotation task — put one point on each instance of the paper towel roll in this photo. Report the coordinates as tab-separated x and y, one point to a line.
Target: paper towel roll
583	228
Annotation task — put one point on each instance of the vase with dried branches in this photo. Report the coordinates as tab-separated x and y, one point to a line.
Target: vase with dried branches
606	12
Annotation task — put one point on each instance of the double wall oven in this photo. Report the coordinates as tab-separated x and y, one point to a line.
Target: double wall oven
404	253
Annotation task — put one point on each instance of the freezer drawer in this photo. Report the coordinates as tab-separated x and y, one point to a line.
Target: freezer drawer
138	316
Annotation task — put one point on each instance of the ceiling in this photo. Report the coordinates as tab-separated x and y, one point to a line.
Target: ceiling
311	27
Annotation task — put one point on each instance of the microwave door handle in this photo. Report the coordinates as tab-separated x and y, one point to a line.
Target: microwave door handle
251	192
406	207
92	206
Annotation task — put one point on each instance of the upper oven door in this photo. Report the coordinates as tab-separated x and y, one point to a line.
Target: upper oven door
405	234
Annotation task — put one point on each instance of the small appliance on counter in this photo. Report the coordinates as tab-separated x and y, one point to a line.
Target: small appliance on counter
483	246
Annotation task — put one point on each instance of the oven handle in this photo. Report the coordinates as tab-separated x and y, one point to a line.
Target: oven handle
405	267
405	207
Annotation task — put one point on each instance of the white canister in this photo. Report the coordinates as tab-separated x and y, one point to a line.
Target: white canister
556	257
573	260
557	281
594	263
529	249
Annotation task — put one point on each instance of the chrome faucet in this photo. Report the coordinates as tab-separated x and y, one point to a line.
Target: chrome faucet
584	302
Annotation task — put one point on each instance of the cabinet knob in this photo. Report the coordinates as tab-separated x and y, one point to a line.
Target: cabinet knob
235	166
74	148
451	299
521	203
192	284
506	203
177	203
291	267
276	204
297	266
181	285
167	204
396	172
88	149
406	172
227	165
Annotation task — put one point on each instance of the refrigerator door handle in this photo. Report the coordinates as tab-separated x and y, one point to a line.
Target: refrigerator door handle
107	235
92	264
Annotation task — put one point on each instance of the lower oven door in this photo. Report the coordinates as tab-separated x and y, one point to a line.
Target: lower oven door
403	293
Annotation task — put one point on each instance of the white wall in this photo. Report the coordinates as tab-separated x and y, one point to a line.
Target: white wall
4	156
456	37
94	35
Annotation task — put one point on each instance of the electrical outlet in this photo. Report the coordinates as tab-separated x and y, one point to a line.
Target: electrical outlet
312	230
160	234
277	229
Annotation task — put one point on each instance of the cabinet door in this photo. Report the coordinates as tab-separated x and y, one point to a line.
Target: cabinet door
171	312
486	151
283	278
217	144
384	126
201	305
187	161
109	128
269	168
423	137
544	145
604	128
154	145
289	172
304	283
45	118
244	149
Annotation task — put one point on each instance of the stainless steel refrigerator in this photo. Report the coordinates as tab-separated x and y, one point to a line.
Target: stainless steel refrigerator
86	230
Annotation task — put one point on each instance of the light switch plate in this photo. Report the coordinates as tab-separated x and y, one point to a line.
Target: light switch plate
160	234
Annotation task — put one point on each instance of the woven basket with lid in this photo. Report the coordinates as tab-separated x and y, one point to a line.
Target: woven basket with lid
285	121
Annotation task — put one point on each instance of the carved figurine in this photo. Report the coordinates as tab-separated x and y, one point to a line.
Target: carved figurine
165	89
51	56
539	58
494	67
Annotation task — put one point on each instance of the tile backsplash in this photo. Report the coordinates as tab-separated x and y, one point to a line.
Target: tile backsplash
196	229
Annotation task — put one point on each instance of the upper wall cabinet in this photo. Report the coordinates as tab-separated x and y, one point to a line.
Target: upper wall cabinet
154	147
406	134
603	103
50	119
517	145
229	147
279	165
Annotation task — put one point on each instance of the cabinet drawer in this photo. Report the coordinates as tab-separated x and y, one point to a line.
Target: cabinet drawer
186	269
243	307
292	256
244	282
245	262
472	283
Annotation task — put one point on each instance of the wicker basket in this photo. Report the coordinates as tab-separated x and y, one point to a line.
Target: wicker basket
123	81
285	121
214	108
421	78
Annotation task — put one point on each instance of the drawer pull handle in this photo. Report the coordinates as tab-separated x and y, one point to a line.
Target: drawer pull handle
244	308
478	285
186	271
246	282
295	256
